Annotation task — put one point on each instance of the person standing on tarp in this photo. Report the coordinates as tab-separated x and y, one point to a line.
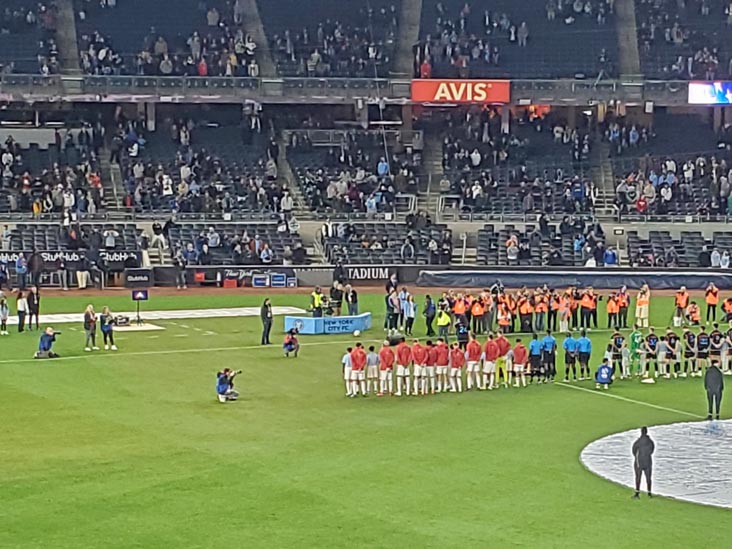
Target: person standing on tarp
714	384
643	449
265	314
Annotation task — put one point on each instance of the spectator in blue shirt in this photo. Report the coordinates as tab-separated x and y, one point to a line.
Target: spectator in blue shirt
383	167
610	258
225	385
45	344
604	375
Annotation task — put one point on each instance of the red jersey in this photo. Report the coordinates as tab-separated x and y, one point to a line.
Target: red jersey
386	358
474	351
442	357
519	354
358	359
403	354
491	350
419	354
431	356
503	345
457	358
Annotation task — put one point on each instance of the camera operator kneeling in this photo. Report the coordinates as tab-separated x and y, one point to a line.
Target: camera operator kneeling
46	343
225	385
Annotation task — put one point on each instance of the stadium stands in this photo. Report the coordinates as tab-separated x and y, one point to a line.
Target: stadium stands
530	39
342	38
27	43
26	237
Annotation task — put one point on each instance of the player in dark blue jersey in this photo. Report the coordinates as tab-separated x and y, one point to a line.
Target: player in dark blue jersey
717	342
703	344
689	339
617	342
651	354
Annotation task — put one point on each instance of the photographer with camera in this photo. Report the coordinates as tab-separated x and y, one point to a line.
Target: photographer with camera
225	385
107	321
46	343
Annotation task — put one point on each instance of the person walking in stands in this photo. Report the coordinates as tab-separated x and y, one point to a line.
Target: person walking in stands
34	307
21	306
106	321
711	296
90	329
430	311
265	314
643	306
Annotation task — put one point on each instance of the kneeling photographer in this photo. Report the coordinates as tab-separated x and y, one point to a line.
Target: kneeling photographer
225	385
45	345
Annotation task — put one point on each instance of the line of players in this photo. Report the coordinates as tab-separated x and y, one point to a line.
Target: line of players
438	367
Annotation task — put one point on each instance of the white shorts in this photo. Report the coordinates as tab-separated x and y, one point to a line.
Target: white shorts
358	375
347	373
455	372
518	368
441	370
489	367
473	367
419	370
372	372
385	375
429	371
402	370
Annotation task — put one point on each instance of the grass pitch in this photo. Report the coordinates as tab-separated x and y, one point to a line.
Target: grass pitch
130	449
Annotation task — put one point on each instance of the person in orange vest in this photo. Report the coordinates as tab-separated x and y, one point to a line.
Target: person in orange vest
623	298
643	306
711	296
477	314
613	308
459	308
526	311
512	305
503	317
587	308
727	309
682	302
541	308
693	314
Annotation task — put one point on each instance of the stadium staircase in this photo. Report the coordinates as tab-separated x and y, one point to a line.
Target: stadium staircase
286	176
409	23
625	24
253	26
66	38
111	182
601	173
428	198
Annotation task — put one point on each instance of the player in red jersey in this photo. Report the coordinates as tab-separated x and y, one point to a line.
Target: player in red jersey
490	356
386	367
430	365
503	348
358	370
473	352
419	357
457	361
442	361
520	356
403	358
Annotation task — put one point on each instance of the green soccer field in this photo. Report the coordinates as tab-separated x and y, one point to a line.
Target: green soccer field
130	449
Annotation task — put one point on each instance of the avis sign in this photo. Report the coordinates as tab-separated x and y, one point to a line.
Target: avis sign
461	91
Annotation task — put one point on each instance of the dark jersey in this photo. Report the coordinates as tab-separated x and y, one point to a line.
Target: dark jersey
672	339
690	340
703	342
716	338
652	341
729	341
617	342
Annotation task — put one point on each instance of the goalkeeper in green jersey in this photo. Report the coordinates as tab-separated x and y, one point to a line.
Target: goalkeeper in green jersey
636	349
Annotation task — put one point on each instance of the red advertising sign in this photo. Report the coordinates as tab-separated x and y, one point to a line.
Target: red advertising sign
461	91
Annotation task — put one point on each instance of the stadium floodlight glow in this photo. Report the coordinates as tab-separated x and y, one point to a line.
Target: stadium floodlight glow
710	93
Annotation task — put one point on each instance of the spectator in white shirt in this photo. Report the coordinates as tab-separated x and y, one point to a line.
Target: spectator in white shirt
716	258
724	260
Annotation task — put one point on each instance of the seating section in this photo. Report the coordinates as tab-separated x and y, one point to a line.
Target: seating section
237	242
53	238
684	40
224	170
464	40
27	29
341	38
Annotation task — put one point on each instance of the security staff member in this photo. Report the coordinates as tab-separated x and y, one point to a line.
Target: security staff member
265	314
714	384
316	302
643	449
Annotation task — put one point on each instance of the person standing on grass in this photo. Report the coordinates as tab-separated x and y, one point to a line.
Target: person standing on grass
643	306
430	311
106	321
358	371
265	314
90	329
643	449
34	307
711	296
584	352
570	357
21	306
351	297
372	371
457	361
4	314
386	367
410	314
490	357
403	358
714	385
346	368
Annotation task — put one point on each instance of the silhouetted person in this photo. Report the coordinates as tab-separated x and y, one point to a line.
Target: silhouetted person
714	384
643	461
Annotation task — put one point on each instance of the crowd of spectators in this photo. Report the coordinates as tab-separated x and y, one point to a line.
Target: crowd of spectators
362	175
68	183
35	22
684	40
626	137
362	48
222	49
692	185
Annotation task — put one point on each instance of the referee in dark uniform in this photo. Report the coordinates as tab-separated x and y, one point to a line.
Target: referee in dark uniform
265	313
643	461
714	384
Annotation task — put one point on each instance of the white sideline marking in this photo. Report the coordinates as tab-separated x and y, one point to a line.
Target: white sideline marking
190	314
631	400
